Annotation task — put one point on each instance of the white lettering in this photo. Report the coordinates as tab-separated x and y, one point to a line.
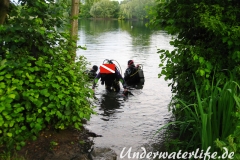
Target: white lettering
225	154
135	155
201	154
196	153
172	155
128	152
207	154
190	155
176	155
214	155
184	155
231	155
144	153
163	155
179	154
155	154
149	155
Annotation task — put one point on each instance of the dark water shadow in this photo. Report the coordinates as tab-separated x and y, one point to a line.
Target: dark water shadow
110	103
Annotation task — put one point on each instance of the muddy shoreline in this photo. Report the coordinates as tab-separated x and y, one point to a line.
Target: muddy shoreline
68	144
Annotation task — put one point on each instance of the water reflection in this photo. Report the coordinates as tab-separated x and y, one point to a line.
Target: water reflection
109	104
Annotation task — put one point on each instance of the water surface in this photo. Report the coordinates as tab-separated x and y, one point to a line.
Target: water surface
131	122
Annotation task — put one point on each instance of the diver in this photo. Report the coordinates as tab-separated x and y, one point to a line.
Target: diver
134	74
110	80
93	72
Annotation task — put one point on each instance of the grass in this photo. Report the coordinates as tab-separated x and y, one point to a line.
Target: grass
216	112
211	117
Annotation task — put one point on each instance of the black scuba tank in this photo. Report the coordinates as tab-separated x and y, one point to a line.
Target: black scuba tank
141	75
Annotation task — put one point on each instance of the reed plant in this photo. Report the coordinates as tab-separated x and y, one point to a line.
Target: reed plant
211	117
215	111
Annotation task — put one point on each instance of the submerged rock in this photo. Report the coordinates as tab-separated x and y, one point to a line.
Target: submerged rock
100	153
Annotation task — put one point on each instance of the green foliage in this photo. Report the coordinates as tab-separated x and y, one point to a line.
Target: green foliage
212	118
86	7
85	10
105	9
11	156
215	109
206	40
40	84
135	9
65	6
232	142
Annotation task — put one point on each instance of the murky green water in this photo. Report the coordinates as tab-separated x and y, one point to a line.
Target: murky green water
131	122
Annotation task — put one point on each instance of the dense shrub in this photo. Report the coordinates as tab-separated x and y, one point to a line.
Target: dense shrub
206	46
206	42
40	85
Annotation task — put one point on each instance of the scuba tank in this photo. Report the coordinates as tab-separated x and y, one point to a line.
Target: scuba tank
141	75
107	61
107	76
104	76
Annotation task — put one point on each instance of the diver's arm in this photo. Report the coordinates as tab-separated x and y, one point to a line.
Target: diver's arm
126	74
121	79
123	83
95	81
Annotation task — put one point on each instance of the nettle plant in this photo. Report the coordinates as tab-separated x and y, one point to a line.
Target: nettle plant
40	84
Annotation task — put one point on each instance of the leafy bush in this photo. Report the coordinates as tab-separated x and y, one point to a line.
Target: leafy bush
206	40
40	84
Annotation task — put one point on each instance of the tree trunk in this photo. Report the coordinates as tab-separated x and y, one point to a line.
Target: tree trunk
4	5
74	27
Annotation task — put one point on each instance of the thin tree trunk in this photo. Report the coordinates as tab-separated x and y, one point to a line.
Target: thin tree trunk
4	5
74	27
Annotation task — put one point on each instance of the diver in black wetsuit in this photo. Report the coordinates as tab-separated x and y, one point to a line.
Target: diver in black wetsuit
110	80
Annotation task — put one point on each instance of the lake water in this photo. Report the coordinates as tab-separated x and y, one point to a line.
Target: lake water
132	122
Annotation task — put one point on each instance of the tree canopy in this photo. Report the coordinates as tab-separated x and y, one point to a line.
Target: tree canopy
127	9
104	9
137	9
